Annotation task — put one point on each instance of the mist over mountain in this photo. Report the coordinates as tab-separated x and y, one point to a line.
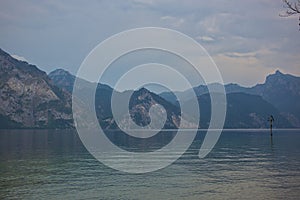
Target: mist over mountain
32	99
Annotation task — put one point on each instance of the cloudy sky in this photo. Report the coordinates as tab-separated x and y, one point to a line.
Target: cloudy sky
247	39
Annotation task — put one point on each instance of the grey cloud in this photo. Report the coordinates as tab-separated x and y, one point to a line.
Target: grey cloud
56	33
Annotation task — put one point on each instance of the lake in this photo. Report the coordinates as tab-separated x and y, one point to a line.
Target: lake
245	164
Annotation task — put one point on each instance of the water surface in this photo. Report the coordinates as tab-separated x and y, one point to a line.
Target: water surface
245	164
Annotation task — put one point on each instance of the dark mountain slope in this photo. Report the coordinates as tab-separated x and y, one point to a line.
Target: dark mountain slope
243	111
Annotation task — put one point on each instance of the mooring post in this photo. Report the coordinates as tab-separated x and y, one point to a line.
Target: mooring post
271	120
271	126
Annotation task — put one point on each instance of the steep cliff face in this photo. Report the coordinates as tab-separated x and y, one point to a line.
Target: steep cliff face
29	98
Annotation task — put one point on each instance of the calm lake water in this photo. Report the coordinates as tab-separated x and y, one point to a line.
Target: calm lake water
245	164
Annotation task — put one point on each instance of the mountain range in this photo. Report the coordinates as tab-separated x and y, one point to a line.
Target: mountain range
280	90
30	98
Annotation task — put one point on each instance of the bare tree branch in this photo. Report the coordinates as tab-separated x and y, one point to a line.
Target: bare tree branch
292	9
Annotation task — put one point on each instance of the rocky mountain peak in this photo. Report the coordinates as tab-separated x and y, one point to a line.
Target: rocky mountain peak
144	95
278	72
286	82
277	76
60	72
63	79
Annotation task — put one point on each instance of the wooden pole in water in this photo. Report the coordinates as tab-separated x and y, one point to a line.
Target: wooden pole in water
271	126
271	120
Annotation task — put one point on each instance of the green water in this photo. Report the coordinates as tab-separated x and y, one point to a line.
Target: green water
53	164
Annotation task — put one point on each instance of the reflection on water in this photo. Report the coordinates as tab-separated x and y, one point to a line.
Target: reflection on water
52	164
134	144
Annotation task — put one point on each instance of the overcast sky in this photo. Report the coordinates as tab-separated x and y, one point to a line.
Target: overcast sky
247	39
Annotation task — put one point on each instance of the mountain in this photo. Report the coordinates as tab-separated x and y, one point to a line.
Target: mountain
280	90
32	99
200	90
139	108
62	79
65	80
29	99
283	91
139	105
243	111
251	111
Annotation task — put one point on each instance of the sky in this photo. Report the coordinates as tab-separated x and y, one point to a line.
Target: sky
247	39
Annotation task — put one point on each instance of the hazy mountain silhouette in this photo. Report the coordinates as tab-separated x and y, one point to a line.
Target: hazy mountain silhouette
139	106
280	90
